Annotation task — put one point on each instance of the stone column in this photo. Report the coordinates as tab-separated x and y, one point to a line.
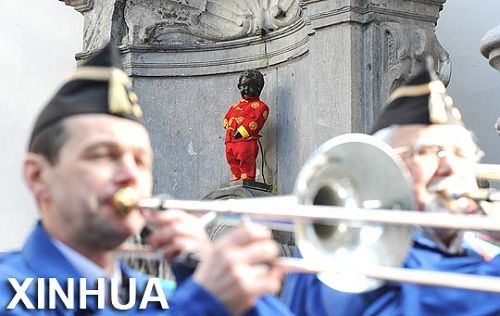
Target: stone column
329	65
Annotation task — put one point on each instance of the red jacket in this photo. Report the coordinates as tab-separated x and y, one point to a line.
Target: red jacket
247	117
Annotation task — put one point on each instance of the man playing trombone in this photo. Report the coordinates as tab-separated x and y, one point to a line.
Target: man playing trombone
88	143
421	124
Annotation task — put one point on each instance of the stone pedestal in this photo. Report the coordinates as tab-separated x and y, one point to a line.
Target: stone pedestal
329	66
246	190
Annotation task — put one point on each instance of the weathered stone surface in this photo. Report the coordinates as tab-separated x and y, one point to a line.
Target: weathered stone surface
238	190
223	57
80	5
199	22
329	66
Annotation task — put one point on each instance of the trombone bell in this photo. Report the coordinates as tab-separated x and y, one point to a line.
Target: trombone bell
355	171
352	171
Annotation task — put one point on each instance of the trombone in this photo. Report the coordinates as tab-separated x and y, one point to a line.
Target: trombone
488	172
346	214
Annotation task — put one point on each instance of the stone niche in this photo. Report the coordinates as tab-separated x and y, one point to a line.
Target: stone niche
329	66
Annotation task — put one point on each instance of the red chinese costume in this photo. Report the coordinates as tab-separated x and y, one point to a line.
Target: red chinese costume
247	118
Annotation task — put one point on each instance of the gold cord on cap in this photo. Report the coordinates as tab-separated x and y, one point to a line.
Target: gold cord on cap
121	99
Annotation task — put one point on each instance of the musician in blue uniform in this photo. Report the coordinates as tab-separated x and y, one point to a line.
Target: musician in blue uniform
88	143
422	125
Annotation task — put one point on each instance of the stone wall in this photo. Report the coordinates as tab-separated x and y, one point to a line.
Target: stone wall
328	64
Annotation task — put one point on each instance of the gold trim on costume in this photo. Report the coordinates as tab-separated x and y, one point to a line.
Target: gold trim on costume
255	105
253	125
243	131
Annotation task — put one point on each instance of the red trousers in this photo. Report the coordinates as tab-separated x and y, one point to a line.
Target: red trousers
241	159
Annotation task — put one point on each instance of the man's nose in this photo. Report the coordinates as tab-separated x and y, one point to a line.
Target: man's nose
127	171
448	163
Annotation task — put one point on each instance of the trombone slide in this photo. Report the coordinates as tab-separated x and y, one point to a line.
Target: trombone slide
424	277
284	208
488	171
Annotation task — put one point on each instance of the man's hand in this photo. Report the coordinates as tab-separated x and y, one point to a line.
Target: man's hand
176	232
237	270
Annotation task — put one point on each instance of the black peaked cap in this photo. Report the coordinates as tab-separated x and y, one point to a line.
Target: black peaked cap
420	100
97	86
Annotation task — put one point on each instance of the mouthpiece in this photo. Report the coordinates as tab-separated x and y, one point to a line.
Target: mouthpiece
488	195
125	199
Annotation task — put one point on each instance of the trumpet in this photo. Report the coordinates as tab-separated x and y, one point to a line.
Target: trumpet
345	218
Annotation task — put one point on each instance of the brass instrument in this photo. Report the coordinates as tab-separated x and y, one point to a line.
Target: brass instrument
350	212
488	171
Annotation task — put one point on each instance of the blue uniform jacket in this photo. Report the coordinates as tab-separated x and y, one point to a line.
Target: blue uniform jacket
39	258
306	295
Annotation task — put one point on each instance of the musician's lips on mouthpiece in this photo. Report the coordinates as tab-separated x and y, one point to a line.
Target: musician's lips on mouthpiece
451	192
125	199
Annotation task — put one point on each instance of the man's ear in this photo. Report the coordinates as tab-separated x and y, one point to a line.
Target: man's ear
34	173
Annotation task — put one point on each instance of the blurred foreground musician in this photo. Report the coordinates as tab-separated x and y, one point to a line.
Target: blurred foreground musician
422	125
88	143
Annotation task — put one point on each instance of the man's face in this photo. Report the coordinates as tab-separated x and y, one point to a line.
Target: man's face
102	154
248	89
439	157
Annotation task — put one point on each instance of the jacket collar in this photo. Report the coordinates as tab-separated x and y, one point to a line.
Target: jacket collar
44	258
48	262
249	100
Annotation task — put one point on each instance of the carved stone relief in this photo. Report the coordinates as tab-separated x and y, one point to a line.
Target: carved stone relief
404	47
195	22
98	24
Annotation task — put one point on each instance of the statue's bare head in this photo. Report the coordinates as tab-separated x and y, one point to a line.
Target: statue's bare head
251	83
